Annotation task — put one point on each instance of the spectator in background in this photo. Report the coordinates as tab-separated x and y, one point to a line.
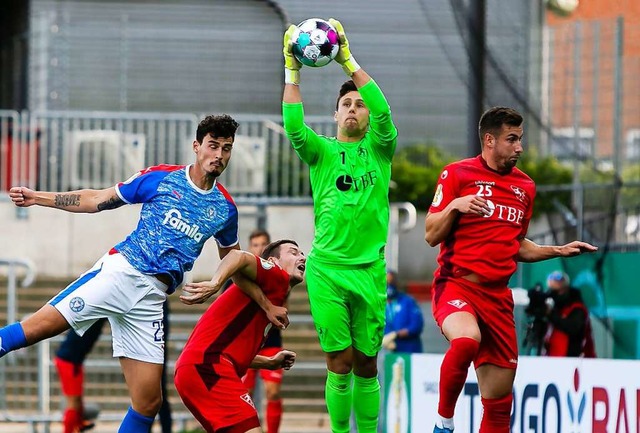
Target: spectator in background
69	361
569	330
404	321
272	379
403	326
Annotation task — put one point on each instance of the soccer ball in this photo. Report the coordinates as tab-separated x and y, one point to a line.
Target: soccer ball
562	8
315	42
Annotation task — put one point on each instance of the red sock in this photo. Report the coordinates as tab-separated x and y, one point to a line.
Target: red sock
453	373
71	376
274	415
497	414
72	420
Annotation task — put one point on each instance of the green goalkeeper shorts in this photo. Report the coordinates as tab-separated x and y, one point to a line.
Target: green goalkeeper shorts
347	305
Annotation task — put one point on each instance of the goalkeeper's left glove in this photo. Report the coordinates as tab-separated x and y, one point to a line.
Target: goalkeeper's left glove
344	57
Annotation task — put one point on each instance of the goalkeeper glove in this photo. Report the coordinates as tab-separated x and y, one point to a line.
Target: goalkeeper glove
291	64
344	57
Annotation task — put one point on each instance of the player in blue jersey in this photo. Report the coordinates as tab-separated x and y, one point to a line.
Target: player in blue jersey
182	207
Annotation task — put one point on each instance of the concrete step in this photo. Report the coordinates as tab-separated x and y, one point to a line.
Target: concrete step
291	423
305	423
302	388
305	405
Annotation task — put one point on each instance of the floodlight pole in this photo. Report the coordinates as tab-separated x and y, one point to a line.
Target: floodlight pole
477	43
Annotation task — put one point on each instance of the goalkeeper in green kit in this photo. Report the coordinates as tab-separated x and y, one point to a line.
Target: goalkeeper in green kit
346	275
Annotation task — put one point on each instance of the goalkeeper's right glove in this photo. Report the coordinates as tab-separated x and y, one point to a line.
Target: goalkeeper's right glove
291	64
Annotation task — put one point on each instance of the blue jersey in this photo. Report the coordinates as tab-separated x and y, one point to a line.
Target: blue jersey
403	312
176	220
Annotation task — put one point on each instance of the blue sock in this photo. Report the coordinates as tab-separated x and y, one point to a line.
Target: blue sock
134	422
11	338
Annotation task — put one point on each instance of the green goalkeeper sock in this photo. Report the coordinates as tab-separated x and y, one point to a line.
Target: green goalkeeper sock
366	403
338	395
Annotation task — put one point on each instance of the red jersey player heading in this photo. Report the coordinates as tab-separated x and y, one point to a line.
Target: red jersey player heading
479	217
271	379
226	340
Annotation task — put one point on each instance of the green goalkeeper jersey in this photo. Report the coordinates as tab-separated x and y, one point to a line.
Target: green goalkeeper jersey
349	182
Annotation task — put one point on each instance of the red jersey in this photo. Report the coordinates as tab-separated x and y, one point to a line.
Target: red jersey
234	326
559	343
484	245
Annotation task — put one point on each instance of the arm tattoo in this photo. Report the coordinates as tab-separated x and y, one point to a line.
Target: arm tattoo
112	203
66	200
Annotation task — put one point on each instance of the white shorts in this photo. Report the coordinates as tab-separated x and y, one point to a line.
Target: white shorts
132	302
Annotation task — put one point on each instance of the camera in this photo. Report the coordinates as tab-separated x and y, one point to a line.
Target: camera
537	307
536	312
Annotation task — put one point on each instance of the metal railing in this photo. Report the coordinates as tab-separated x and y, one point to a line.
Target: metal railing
14	360
600	213
12	282
67	150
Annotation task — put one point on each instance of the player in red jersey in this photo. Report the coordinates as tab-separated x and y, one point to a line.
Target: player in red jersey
479	217
271	379
226	340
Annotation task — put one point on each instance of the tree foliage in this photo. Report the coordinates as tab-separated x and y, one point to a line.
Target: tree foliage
546	171
414	174
631	194
416	169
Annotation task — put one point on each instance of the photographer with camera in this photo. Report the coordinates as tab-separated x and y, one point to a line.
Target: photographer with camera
537	322
568	330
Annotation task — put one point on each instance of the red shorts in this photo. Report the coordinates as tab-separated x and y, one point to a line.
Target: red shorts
249	379
216	397
71	377
492	308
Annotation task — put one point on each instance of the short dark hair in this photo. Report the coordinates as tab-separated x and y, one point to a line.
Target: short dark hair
394	275
273	249
347	86
492	120
260	232
221	125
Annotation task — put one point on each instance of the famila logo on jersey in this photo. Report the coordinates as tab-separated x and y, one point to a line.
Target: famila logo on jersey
173	218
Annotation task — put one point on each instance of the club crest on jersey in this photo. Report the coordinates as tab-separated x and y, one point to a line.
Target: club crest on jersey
247	399
173	219
211	213
437	197
458	303
76	304
520	194
266	264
